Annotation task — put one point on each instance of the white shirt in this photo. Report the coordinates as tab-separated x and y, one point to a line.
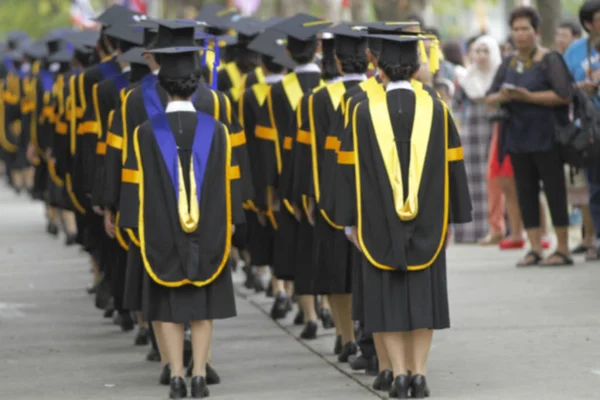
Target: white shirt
399	85
126	69
353	77
310	67
156	72
180	106
271	79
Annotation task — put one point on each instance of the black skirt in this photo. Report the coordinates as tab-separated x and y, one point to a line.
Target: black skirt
260	240
40	181
358	292
134	279
189	303
284	246
304	276
396	301
332	259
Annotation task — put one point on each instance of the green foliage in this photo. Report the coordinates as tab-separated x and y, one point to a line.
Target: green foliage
34	17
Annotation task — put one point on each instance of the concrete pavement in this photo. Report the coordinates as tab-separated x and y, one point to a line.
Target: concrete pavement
517	334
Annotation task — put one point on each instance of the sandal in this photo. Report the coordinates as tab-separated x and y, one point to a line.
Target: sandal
562	260
491	239
591	253
532	258
581	249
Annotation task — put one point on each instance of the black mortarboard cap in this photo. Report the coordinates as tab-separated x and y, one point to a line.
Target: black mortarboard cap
217	17
272	43
114	15
285	60
390	28
349	39
247	28
179	62
176	33
83	38
14	38
135	55
400	49
302	27
36	50
63	56
125	33
149	29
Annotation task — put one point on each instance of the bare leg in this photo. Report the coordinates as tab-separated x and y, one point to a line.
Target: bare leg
342	303
160	342
29	174
395	345
278	285
512	207
382	353
307	303
421	341
589	236
201	340
140	320
18	178
335	312
409	351
535	239
289	288
70	222
173	339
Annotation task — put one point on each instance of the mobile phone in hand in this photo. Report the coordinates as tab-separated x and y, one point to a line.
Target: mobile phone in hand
508	86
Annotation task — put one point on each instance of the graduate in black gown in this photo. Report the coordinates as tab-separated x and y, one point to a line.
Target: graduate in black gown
276	128
186	168
404	190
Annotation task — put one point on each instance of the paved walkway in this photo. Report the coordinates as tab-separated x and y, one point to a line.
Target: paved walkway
517	334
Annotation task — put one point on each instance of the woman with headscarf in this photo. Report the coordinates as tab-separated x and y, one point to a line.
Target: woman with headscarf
477	132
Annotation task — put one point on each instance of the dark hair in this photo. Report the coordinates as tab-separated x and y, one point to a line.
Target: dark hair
587	12
246	59
399	72
329	69
453	52
180	87
571	25
354	64
271	66
114	44
302	52
526	12
471	40
205	73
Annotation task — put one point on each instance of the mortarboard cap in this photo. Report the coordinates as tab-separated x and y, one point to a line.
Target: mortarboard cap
125	33
135	55
83	38
247	28
36	50
302	27
349	39
390	28
14	38
217	18
176	33
63	56
148	28
272	43
400	49
179	62
114	15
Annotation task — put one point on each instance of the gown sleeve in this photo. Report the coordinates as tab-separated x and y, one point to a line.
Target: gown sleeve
129	202
267	138
113	161
88	129
105	115
460	199
302	151
237	191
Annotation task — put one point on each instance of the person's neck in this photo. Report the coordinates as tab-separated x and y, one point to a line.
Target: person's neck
124	65
525	53
384	80
177	98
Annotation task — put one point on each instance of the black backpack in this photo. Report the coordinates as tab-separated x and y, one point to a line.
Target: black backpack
580	139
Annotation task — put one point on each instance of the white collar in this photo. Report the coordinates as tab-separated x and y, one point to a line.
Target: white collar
310	67
156	72
399	85
126	69
271	79
180	106
334	80
353	77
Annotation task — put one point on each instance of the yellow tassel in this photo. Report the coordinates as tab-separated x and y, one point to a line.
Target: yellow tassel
434	57
422	52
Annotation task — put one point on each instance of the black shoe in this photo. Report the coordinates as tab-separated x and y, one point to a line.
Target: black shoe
117	318
384	381
327	319
373	367
212	378
109	312
269	291
165	375
358	362
187	352
127	322
199	387
52	229
310	331
71	240
299	318
419	387
143	337
91	289
400	387
178	389
153	356
250	282
337	348
280	306
348	350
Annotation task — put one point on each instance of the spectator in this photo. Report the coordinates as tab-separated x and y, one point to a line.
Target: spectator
453	53
476	132
566	33
534	88
583	61
508	48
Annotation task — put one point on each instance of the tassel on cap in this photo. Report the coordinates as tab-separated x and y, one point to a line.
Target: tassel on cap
211	58
423	52
434	56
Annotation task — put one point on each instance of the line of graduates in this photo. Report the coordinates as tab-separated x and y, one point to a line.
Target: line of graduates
172	149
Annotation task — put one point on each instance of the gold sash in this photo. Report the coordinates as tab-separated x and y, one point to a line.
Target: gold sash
293	89
421	131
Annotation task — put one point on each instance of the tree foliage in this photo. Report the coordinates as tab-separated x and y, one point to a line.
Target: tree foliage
34	17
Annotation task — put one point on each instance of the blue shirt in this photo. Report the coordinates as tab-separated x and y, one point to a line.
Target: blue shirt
577	61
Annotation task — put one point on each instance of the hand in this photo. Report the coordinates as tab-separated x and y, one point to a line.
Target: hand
297	213
588	86
519	94
355	238
448	236
98	210
232	229
262	220
32	155
311	211
109	223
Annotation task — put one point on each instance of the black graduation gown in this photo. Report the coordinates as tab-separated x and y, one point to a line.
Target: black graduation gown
16	109
9	113
260	238
404	269
39	129
276	129
332	267
228	76
187	274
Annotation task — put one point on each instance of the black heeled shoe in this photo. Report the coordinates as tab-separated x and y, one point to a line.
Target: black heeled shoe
127	323
327	319
212	378
348	350
165	375
400	387
52	229
419	387
310	331
143	337
299	318
178	388
199	387
337	347
280	306
153	356
384	381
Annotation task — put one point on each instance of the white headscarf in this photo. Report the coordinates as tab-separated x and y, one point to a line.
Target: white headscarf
476	81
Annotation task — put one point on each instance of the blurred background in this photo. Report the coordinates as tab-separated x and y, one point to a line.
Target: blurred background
453	18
